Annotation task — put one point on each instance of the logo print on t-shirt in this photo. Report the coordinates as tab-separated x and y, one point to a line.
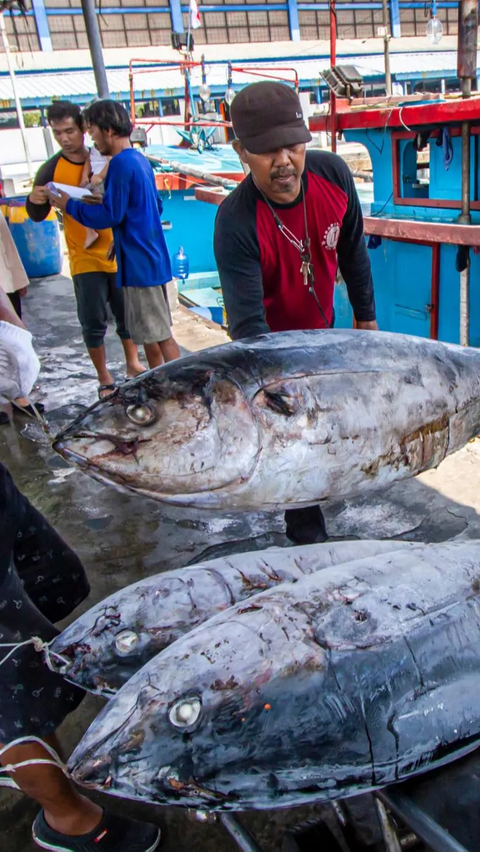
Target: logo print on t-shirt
331	235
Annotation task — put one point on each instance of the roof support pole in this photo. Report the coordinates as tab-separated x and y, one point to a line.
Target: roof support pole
176	16
293	20
95	45
467	73
41	22
18	105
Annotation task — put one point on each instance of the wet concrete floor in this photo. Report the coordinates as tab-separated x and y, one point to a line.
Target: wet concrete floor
122	538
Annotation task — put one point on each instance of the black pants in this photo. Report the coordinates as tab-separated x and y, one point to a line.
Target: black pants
41	581
94	291
16	303
306	525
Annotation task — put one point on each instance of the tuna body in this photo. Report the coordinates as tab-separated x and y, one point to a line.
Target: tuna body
285	419
352	678
103	648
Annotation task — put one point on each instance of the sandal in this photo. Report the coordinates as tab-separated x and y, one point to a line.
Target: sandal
110	388
28	409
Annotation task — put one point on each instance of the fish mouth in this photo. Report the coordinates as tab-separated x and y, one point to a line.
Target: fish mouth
92	772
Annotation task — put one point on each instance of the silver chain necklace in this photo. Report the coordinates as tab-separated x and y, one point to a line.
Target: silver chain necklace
303	247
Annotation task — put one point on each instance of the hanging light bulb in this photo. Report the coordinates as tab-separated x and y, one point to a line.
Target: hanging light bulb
204	91
229	95
434	30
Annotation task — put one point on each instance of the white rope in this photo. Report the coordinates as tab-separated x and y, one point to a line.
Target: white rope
12	767
401	119
40	646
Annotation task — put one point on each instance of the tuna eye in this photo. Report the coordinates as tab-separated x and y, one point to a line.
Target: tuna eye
184	713
126	642
141	415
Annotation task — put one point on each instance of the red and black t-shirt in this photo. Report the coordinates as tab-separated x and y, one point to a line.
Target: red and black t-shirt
260	270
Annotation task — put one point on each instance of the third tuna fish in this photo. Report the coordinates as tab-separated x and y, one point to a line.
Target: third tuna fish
103	648
352	678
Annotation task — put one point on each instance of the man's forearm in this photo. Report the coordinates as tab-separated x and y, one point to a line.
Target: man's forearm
357	274
37	212
90	215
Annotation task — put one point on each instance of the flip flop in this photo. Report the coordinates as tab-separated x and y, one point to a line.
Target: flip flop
111	388
28	409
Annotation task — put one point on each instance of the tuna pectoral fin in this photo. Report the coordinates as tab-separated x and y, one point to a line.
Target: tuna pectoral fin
437	726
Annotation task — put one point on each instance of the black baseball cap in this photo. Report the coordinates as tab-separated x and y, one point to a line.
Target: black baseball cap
267	116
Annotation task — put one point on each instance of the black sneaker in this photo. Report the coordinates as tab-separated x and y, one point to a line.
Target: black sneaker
112	834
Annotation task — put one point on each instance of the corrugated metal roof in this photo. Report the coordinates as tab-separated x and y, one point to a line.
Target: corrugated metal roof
81	84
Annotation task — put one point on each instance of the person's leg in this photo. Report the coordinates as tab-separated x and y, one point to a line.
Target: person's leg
133	367
306	525
167	342
65	809
153	354
68	821
21	401
169	349
91	292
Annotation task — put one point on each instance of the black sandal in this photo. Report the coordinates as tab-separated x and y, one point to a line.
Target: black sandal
28	409
112	388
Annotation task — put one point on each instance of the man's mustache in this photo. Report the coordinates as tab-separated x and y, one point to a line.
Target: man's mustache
282	173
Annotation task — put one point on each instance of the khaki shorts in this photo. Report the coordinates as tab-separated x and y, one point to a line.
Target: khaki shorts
147	314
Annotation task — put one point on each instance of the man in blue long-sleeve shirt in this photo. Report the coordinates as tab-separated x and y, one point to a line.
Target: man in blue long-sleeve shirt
132	208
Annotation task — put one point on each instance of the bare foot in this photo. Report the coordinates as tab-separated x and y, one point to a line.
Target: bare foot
135	370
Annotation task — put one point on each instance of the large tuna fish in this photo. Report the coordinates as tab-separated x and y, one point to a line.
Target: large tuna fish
350	679
283	419
103	648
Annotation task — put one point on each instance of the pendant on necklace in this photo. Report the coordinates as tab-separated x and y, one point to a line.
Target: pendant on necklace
306	267
305	271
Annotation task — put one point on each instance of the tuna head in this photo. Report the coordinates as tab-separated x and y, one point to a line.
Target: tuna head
171	434
229	717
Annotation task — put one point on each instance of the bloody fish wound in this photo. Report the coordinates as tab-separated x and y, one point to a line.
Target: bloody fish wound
352	678
103	648
282	419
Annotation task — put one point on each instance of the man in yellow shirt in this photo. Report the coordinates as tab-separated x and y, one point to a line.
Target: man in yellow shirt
93	274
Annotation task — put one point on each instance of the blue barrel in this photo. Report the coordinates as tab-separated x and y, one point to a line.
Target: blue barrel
38	243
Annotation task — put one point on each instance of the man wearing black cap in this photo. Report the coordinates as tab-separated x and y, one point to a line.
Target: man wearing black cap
280	236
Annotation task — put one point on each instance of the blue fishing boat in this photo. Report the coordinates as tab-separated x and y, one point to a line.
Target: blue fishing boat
421	210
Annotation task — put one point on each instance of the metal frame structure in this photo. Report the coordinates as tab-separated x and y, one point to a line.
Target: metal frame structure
257	71
364	15
165	65
437	838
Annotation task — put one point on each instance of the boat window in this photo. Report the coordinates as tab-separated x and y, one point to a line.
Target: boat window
414	171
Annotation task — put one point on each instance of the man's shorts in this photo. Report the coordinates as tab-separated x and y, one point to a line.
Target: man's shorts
147	314
41	581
